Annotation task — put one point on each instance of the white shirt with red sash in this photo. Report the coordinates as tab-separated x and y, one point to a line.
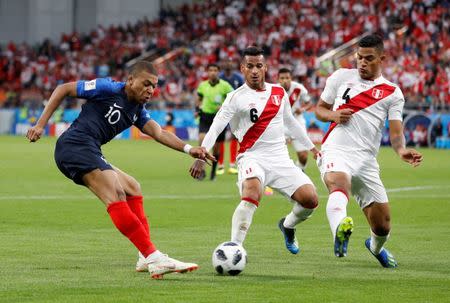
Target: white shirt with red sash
371	101
257	118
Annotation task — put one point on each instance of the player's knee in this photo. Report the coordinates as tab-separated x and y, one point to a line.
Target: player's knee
252	195
121	195
252	190
134	188
383	227
381	230
306	197
337	183
302	157
311	201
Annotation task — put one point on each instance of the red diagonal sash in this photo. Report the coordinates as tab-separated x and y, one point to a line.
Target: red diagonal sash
294	96
364	100
257	129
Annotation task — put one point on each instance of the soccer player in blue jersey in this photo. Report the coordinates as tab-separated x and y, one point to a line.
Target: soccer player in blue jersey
112	107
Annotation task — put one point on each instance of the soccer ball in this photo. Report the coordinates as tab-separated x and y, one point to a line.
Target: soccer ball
229	258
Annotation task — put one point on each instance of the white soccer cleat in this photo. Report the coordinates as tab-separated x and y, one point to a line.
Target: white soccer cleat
141	265
163	264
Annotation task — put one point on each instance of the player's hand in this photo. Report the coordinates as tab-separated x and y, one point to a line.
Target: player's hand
35	133
201	153
411	156
197	169
316	153
298	111
343	115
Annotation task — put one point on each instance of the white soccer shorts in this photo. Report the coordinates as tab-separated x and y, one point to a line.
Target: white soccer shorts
280	174
364	171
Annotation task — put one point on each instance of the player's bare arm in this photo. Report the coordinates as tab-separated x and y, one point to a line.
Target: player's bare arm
325	113
297	130
221	120
397	138
303	108
168	139
58	95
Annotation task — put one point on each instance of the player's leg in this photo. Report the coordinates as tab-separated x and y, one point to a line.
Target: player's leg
106	186
287	178
378	216
338	185
134	195
378	213
243	214
250	182
135	201
367	188
305	202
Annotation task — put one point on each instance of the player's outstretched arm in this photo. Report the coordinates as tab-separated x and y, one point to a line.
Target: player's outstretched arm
325	113
58	95
168	139
296	129
397	138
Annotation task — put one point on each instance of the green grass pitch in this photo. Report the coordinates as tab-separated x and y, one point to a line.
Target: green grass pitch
57	243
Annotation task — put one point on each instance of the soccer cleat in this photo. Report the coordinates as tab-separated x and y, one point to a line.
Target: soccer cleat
385	258
289	237
220	170
268	191
343	233
166	265
232	170
141	265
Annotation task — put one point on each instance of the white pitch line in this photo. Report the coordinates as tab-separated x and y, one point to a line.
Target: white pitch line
72	197
207	197
413	188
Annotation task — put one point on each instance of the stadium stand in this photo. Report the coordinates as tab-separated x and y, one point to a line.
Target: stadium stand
293	33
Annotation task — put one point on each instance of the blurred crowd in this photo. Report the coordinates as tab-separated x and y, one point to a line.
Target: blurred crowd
293	34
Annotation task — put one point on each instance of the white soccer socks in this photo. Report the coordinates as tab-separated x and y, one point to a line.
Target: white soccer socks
242	218
336	209
377	242
297	215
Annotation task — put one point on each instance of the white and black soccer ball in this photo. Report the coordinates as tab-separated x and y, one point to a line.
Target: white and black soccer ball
229	258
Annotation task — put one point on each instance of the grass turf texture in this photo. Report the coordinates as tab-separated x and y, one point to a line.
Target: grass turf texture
58	244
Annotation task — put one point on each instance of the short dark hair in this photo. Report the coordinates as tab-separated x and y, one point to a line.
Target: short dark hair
141	66
213	65
253	51
284	70
373	40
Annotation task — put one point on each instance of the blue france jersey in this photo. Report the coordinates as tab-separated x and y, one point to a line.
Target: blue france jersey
236	80
107	111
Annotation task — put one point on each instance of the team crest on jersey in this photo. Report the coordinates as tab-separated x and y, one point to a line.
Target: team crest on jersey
276	99
377	93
